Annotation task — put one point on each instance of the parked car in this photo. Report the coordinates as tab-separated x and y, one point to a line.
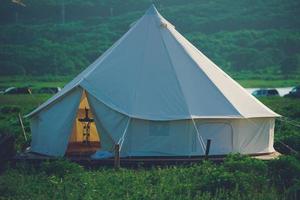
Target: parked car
15	90
295	92
49	90
265	93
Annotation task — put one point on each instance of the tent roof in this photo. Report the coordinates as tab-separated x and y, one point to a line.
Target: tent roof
154	73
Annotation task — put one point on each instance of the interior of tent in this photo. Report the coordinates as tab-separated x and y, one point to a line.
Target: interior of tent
85	138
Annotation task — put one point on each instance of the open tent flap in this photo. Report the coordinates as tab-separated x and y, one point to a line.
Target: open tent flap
51	127
110	123
79	143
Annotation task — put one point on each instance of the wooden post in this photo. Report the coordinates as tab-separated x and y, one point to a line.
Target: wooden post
117	156
207	148
22	125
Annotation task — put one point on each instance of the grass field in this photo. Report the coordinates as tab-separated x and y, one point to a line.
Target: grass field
237	178
268	83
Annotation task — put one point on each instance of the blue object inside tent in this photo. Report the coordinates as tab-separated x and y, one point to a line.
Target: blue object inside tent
98	155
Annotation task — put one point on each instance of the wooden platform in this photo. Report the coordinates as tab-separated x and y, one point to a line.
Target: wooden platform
135	161
269	156
81	149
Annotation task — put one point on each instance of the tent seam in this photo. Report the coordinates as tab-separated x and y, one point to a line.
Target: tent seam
218	89
141	68
171	63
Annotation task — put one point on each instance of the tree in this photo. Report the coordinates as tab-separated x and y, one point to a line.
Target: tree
290	65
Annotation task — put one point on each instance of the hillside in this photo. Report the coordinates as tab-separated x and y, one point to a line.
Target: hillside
247	38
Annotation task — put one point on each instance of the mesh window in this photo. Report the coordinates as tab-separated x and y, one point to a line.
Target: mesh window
159	128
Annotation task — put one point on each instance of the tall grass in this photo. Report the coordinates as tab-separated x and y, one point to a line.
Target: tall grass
237	178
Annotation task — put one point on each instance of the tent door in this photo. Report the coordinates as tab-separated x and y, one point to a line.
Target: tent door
85	138
220	134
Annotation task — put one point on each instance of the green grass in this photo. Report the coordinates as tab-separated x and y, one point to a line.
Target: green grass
28	101
268	83
33	82
238	177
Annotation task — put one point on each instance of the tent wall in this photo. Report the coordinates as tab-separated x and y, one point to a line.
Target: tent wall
51	127
219	132
180	137
159	138
254	135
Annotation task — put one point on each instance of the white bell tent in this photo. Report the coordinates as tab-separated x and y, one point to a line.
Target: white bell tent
155	94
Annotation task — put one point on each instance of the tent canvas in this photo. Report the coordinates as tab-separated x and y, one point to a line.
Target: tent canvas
156	94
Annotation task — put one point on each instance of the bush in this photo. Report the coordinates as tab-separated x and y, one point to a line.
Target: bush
236	173
284	172
10	109
238	162
60	168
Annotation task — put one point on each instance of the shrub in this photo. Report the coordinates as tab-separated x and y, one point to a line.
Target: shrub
236	173
60	168
10	109
284	172
238	162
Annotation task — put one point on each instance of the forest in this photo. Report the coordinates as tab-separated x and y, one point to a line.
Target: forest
249	39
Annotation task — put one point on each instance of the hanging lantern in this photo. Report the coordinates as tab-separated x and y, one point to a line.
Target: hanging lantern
86	123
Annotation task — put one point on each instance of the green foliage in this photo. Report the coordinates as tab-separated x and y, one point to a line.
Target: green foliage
286	129
60	168
257	39
10	109
237	173
237	162
285	171
229	180
291	64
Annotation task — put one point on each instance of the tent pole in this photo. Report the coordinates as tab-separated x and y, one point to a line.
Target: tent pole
117	156
22	125
207	148
199	136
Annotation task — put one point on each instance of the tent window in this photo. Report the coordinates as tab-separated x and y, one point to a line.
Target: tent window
159	128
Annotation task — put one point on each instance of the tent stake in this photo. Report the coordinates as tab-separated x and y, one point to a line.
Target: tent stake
207	148
117	156
22	125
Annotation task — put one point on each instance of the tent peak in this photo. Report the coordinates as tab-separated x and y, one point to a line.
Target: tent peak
152	10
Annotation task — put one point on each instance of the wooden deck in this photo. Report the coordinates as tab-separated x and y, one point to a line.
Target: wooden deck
134	161
81	149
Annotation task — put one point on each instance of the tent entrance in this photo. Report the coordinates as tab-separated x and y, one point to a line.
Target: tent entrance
220	134
85	138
